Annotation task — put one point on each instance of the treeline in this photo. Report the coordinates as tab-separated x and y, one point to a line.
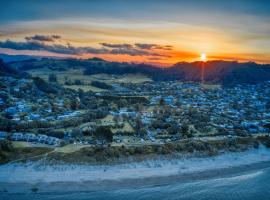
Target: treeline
101	85
155	73
128	99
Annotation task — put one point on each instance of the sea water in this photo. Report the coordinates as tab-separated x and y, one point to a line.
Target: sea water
247	186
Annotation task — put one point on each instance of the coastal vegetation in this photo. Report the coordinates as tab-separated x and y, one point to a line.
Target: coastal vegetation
107	154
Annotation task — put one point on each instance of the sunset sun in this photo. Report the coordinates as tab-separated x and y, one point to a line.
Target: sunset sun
203	57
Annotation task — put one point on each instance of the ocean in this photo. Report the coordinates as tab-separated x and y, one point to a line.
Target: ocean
246	186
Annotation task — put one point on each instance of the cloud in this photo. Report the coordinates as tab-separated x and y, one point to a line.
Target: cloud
153	46
137	49
55	48
43	38
49	43
155	58
131	52
126	46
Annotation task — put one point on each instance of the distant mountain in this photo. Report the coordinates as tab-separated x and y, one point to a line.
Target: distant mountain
15	58
223	72
96	59
11	58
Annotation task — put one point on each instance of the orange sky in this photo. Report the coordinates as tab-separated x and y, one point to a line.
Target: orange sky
227	31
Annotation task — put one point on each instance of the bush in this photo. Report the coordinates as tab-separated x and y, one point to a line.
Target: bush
56	133
78	82
101	85
52	78
104	133
5	145
44	86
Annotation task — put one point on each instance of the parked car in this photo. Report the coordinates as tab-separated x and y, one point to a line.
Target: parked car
29	137
3	135
42	138
53	141
17	137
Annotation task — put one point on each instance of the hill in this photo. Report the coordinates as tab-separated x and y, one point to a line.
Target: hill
5	69
223	72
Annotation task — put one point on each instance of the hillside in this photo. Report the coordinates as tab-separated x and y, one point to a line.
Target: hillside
223	72
6	69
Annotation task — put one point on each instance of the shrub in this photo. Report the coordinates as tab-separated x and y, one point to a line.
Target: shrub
5	145
101	85
78	82
104	133
52	78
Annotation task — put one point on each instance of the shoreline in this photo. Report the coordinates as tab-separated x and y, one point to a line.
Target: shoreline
83	178
92	186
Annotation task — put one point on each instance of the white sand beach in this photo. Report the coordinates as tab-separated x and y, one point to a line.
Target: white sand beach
74	177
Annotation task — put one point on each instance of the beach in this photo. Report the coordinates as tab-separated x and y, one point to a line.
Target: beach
40	177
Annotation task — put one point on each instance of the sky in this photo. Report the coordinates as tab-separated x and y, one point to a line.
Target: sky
160	32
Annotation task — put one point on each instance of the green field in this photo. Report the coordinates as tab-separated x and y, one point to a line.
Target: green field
77	74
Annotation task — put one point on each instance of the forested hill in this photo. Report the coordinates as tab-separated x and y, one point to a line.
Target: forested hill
224	72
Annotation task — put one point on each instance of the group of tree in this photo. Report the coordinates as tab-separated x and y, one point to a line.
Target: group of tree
101	85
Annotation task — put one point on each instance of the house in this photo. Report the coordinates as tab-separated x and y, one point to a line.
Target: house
42	138
11	110
33	116
29	137
53	141
1	101
169	100
3	135
17	137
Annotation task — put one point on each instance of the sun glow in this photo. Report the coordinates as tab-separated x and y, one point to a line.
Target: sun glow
203	57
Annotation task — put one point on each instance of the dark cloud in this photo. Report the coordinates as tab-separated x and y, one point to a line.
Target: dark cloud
156	58
40	43
153	46
131	52
43	38
126	46
137	49
55	48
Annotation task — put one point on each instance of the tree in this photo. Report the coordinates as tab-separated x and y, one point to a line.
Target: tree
103	134
75	103
76	132
161	102
44	86
122	103
138	124
172	130
184	128
138	107
52	78
78	82
142	132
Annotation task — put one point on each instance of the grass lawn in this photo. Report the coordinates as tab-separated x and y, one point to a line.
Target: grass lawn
77	74
85	88
20	144
211	86
108	118
70	148
126	128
